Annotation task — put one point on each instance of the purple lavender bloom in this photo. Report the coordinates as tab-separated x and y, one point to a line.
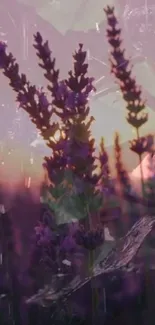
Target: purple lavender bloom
47	49
61	91
47	232
3	47
22	99
62	144
39	229
69	243
79	185
43	101
73	227
90	239
43	234
71	100
81	99
75	99
89	87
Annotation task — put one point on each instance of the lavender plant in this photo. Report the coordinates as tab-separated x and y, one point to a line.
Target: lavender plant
73	191
70	104
129	214
71	167
135	105
76	190
106	183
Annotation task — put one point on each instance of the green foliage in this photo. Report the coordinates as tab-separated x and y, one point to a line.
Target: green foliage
67	203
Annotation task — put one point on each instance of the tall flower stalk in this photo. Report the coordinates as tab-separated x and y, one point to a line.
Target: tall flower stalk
9	267
131	92
71	167
107	186
122	174
105	175
72	192
124	185
71	105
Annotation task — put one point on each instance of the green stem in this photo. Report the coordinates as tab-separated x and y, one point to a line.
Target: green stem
141	168
91	262
93	290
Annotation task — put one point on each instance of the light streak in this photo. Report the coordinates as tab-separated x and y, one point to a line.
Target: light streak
97	27
11	18
28	182
25	39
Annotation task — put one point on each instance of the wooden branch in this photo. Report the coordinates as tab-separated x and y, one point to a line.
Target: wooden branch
122	254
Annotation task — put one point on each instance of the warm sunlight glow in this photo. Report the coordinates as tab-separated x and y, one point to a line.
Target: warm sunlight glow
57	135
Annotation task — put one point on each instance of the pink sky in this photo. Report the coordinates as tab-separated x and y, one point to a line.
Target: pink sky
18	23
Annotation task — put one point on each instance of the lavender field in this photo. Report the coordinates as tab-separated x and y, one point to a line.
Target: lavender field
77	194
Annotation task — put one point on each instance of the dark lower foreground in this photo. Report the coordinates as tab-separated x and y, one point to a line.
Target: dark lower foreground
137	309
130	313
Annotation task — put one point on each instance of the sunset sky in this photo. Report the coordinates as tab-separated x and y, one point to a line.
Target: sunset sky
65	23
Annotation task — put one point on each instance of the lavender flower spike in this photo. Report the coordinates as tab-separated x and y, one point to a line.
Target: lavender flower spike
3	46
